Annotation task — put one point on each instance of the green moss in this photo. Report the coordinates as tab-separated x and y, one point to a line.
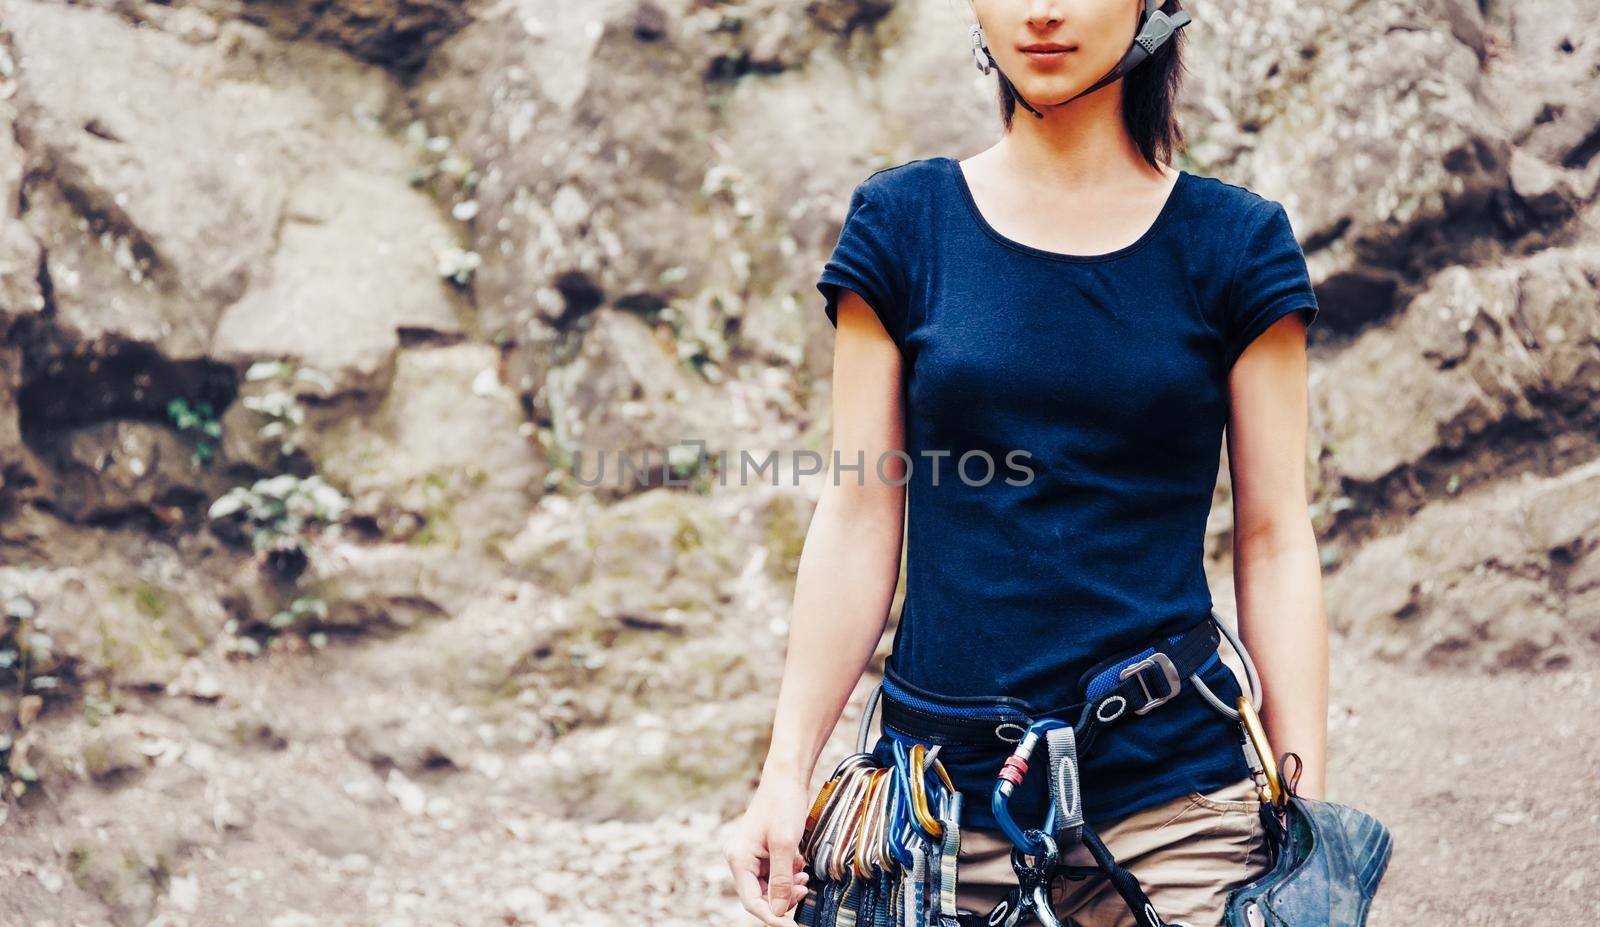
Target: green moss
150	601
80	862
687	538
495	545
95	755
108	654
438	511
439	528
785	537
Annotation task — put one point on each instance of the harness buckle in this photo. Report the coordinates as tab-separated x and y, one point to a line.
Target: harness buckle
1164	662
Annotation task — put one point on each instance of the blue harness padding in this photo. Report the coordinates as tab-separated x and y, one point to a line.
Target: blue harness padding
902	692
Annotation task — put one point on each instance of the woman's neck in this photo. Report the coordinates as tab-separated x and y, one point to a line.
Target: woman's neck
1080	145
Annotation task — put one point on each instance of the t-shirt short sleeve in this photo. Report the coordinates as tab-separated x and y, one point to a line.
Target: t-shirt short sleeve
1270	280
867	260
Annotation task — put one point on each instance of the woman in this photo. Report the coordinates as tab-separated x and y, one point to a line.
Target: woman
1071	306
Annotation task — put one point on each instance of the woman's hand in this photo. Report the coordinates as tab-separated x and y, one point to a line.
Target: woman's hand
764	850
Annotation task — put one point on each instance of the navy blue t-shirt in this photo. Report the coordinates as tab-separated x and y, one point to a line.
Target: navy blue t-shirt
1109	372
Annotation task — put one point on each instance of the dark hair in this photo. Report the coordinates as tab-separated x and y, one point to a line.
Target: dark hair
1149	98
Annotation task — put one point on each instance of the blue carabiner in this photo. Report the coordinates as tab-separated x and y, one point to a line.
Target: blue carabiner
902	768
900	824
1004	787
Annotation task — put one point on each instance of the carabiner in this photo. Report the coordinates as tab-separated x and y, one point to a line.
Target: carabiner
1264	764
1011	774
911	778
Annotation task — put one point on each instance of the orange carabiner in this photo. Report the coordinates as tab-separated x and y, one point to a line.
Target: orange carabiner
919	795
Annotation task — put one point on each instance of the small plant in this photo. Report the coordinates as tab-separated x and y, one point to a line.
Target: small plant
302	611
13	758
281	406
15	611
1325	511
439	159
97	707
278	512
26	654
23	651
200	420
446	174
700	350
452	179
692	464
458	266
301	618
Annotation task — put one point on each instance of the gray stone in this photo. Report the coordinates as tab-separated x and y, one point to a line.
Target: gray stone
1478	582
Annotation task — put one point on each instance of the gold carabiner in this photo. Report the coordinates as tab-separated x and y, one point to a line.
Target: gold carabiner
919	794
1272	789
814	816
860	841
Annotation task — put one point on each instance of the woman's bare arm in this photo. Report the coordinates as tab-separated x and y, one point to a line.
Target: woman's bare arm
848	571
851	560
1277	573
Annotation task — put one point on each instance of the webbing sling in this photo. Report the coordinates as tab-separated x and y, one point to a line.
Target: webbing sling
1127	685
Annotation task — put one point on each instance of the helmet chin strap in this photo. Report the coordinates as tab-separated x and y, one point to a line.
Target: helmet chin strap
1155	29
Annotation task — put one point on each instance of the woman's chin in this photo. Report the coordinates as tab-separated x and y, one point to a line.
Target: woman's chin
1052	93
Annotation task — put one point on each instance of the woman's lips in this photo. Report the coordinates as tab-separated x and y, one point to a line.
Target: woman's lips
1048	55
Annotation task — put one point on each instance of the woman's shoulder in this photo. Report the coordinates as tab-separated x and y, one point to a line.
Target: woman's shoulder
1220	199
902	186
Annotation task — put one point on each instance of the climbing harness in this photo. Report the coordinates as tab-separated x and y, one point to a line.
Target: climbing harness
1155	29
882	839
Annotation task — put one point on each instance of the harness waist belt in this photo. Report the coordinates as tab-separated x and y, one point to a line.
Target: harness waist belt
1132	682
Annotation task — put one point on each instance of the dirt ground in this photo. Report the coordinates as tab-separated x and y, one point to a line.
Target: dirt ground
1491	785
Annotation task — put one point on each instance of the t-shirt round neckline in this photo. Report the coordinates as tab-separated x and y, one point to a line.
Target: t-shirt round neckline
1167	208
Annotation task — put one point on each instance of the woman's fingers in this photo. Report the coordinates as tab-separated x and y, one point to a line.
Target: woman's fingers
747	883
780	876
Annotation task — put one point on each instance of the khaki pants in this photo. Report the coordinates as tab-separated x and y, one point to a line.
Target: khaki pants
1187	855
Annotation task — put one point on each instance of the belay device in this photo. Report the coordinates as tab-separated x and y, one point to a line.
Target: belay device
882	839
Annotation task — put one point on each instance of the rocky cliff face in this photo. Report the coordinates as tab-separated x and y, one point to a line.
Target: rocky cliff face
309	313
